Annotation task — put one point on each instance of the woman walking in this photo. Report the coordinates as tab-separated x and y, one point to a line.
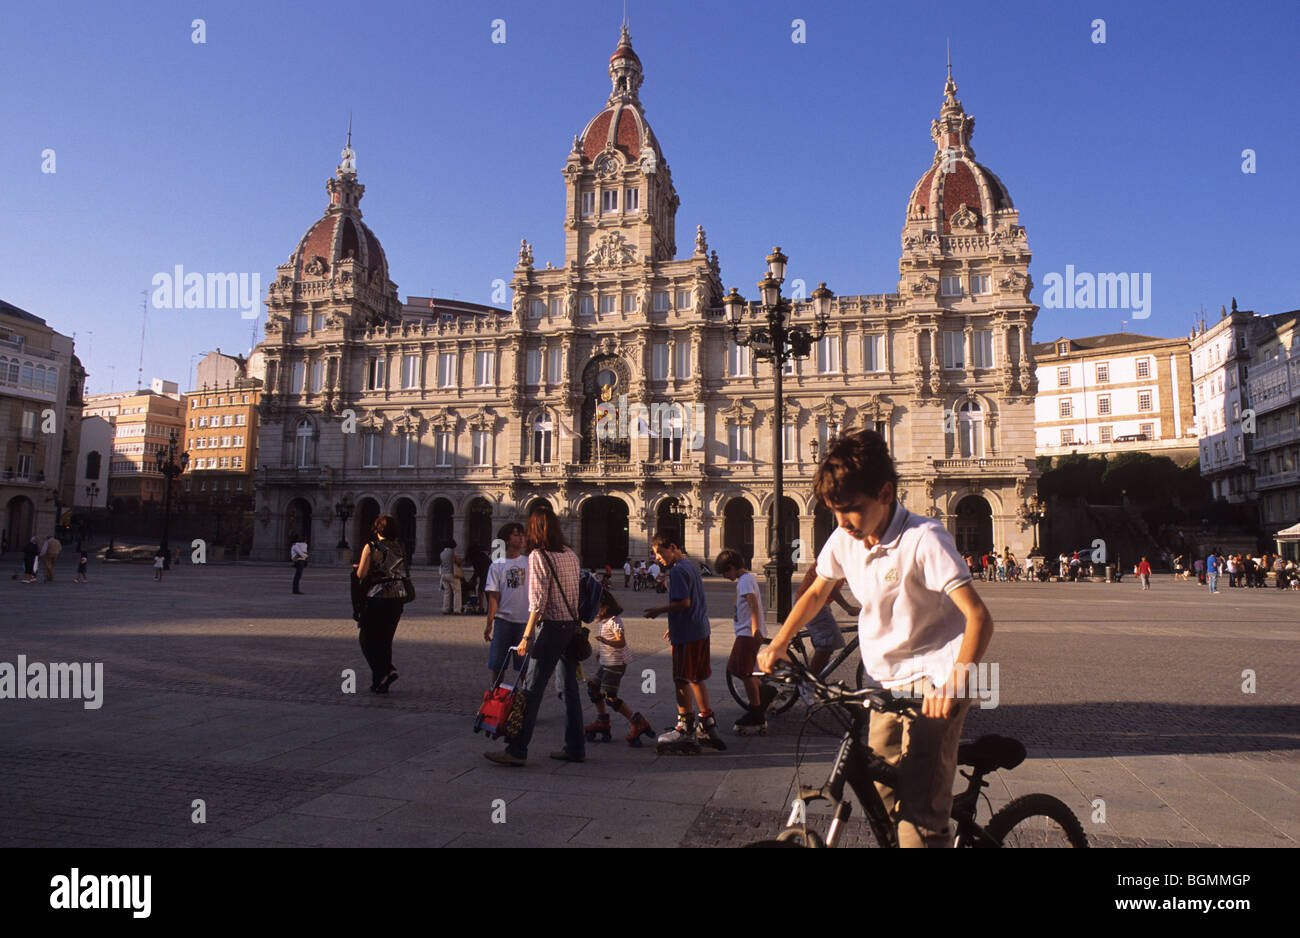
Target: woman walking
381	570
552	622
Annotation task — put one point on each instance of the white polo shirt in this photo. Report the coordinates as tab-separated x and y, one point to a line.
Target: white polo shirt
908	627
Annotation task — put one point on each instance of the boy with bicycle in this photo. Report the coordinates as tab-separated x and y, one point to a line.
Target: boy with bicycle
921	623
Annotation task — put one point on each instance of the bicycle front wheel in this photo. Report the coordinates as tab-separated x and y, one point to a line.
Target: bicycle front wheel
1037	821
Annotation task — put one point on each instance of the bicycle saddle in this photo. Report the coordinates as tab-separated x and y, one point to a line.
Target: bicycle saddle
992	752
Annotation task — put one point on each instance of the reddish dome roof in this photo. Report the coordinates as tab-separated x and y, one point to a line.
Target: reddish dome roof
956	185
621	126
337	237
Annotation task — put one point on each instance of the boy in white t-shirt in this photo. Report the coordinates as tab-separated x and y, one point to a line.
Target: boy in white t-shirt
749	638
507	604
921	625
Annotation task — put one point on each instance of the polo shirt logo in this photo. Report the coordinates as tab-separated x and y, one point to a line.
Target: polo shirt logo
891	576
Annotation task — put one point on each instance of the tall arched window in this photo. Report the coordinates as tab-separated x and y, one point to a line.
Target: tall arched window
92	464
304	452
542	432
969	423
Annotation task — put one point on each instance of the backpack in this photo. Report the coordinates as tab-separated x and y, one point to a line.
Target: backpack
589	592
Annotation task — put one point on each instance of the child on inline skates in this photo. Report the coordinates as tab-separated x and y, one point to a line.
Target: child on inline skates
749	638
614	658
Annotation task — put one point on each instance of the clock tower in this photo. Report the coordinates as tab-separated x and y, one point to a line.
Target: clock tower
621	206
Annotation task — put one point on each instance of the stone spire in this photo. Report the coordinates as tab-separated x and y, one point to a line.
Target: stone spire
624	72
344	189
954	128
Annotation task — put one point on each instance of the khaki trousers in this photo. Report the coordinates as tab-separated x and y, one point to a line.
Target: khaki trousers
925	751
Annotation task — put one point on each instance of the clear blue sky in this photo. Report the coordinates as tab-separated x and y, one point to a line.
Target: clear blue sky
1120	157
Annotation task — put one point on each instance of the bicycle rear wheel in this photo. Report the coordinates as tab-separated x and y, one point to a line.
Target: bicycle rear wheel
1037	821
787	695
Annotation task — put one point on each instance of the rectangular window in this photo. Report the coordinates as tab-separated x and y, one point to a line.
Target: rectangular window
982	348
557	307
1066	407
223	462
375	374
629	303
828	358
406	450
979	283
24	465
608	304
1144	367
370	450
609	201
588	204
442	448
238	463
486	365
683	299
201	443
659	361
737	360
300	323
1067	436
298	376
1103	373
1103	405
683	359
632	201
950	286
1063	348
240	420
1144	400
317	377
410	371
533	366
554	365
789	448
737	443
1107	434
446	369
954	350
479	447
660	301
587	306
228	420
1148	432
225	441
1063	377
203	422
537	308
872	359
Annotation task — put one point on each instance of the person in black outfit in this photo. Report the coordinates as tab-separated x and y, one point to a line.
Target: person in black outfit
380	571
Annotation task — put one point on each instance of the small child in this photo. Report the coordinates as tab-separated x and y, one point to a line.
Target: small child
158	559
614	658
81	569
749	638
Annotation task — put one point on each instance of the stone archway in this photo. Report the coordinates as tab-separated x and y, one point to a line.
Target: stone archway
604	531
367	514
973	525
20	518
442	526
478	525
669	522
404	512
738	528
823	527
297	521
789	522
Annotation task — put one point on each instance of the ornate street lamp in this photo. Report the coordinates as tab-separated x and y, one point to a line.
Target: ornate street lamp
92	491
167	464
778	343
343	510
1034	511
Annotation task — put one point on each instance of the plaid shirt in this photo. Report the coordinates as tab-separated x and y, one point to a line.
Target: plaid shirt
539	578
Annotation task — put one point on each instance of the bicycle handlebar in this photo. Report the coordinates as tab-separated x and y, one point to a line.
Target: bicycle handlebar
792	672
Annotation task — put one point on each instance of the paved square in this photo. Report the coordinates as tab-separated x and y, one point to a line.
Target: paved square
221	686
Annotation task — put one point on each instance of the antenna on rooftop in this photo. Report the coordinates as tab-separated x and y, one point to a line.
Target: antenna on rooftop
144	319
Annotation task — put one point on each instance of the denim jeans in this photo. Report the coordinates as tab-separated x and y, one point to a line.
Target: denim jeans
1213	579
548	651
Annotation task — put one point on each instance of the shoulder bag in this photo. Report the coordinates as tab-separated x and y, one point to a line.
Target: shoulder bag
579	647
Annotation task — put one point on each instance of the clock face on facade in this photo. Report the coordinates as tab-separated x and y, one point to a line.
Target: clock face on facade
606	166
606	381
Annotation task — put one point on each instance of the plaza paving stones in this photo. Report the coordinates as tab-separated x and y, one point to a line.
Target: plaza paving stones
221	685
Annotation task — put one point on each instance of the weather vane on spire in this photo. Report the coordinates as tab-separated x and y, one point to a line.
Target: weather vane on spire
348	166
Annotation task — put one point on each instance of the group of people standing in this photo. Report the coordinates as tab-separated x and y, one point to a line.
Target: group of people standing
1240	570
996	566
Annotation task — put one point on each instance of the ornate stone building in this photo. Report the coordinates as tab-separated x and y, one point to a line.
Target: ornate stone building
613	390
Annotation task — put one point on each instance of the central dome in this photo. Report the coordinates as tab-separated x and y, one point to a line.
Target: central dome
621	125
340	236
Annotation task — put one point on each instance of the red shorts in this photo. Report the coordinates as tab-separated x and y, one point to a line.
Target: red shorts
691	661
744	656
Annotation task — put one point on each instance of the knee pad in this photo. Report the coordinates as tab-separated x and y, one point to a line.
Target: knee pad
615	703
593	692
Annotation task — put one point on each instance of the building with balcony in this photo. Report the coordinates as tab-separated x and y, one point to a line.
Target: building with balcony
612	389
41	386
1220	356
1273	399
1115	393
143	423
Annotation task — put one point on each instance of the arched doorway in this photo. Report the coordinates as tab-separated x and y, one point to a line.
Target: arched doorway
670	521
823	528
536	503
603	532
789	523
478	526
738	528
367	512
404	512
20	515
442	527
973	525
297	521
